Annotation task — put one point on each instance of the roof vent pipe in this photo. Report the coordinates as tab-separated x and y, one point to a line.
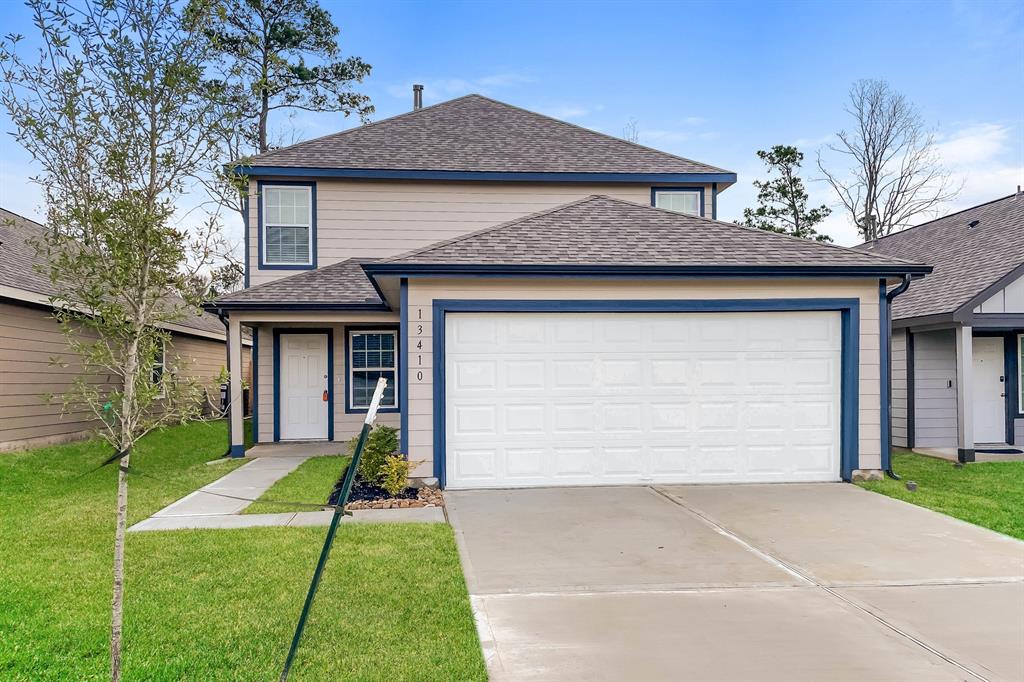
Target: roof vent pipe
417	97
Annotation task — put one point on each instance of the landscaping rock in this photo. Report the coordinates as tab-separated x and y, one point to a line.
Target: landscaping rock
911	486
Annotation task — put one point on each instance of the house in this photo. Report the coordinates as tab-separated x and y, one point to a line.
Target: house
958	335
30	338
551	305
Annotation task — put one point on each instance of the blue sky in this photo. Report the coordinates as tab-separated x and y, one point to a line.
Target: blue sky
710	81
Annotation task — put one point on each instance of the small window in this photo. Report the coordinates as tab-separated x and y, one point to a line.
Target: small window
287	225
159	362
679	200
372	354
1020	373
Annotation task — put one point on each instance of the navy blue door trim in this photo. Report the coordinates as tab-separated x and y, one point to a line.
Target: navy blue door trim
388	327
277	375
849	309
254	404
885	370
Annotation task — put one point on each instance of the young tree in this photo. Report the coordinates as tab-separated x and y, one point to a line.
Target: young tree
783	200
895	174
264	45
118	116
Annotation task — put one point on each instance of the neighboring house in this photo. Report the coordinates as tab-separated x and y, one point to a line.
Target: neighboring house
958	335
30	339
551	305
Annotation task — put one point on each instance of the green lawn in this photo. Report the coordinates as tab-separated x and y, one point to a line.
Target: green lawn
312	482
988	494
213	605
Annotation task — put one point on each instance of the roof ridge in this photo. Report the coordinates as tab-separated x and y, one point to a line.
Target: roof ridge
935	220
596	132
339	133
741	226
492	228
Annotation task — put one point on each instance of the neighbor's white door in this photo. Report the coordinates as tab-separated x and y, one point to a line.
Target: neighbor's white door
989	401
303	383
624	398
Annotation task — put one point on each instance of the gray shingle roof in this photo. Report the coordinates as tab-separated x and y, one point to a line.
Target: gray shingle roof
342	283
19	269
967	260
600	230
478	134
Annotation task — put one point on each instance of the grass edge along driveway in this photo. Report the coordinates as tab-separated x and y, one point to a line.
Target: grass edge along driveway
213	604
987	494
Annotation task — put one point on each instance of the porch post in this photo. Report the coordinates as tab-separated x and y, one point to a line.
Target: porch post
964	393
235	371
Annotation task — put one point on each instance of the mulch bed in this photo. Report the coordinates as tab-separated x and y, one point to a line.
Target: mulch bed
365	495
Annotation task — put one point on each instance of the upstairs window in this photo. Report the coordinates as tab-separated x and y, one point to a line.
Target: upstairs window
681	200
288	225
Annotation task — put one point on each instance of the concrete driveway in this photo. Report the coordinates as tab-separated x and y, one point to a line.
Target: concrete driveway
754	582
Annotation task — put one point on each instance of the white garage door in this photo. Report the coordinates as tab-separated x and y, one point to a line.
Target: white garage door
536	399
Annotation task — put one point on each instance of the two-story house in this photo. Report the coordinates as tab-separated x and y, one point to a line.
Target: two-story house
551	305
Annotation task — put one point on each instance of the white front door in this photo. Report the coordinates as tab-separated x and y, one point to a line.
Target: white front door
989	400
303	390
534	399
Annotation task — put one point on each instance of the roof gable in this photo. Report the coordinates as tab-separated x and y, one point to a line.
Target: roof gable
972	251
479	135
602	231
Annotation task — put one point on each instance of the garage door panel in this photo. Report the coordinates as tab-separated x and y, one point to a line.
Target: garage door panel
578	399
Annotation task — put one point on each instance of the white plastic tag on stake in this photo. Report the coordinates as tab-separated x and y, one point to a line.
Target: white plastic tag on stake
378	393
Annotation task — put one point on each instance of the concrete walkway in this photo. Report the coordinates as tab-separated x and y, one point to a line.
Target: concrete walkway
218	504
754	582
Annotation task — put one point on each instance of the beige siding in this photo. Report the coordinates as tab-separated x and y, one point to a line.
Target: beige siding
30	340
423	292
346	425
374	219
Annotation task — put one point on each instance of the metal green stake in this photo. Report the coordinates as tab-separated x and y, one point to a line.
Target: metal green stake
339	506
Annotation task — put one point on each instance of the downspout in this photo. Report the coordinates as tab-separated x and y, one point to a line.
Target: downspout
227	349
887	386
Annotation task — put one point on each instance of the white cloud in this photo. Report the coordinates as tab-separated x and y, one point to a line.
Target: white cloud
976	143
566	111
693	120
438	89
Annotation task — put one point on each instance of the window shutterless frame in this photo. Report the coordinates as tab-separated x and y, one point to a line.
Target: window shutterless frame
264	264
351	369
159	367
696	191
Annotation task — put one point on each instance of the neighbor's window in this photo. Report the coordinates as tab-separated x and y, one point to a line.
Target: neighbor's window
679	200
372	354
1020	373
159	363
287	225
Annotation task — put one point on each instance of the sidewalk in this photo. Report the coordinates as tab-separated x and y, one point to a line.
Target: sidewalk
218	504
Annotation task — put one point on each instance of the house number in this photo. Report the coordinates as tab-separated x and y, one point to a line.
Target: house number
419	345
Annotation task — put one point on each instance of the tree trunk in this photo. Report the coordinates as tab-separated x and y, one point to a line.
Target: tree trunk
117	604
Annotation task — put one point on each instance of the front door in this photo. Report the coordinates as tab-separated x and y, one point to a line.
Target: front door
303	391
989	387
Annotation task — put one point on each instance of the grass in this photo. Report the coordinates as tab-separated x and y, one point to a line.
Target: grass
988	494
213	605
311	483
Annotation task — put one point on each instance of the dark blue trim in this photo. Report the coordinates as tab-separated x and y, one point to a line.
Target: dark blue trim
386	327
627	271
278	331
699	189
295	305
885	367
259	223
403	366
714	201
238	450
245	237
1010	386
491	176
254	404
849	308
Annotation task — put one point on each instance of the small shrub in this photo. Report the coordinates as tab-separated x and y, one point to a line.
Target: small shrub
382	441
395	474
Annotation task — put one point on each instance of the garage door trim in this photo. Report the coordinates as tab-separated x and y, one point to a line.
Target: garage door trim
849	356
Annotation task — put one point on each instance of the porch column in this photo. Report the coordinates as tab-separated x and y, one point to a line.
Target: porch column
964	393
236	371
